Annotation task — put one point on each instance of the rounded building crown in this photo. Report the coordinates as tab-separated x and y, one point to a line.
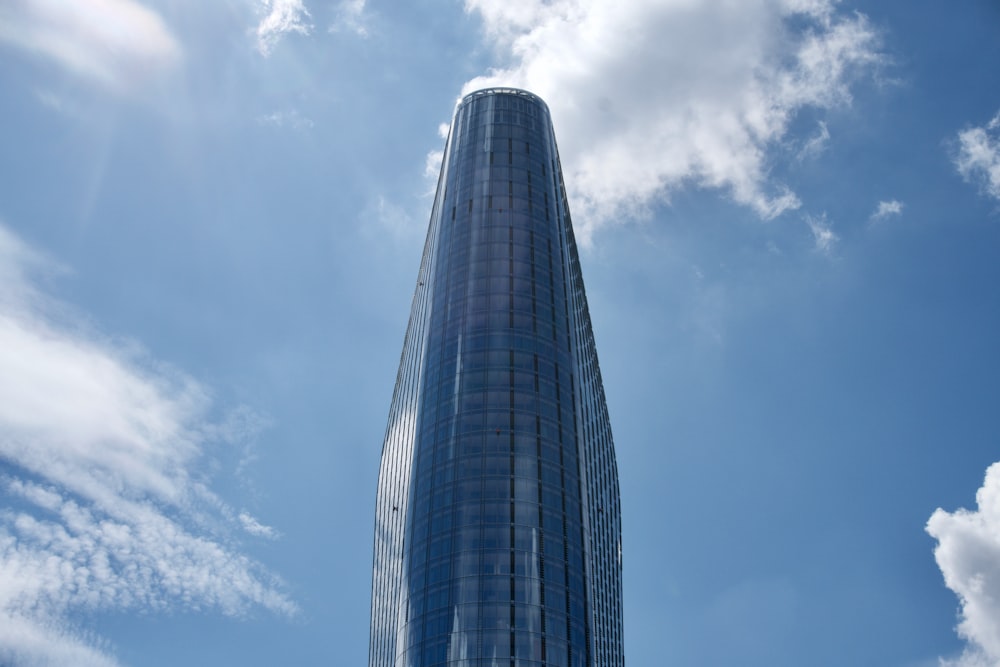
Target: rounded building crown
511	92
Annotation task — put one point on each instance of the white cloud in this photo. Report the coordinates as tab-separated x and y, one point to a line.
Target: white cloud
968	553
351	17
256	528
823	234
887	208
105	511
652	95
280	18
432	166
434	159
34	643
817	143
970	658
978	158
118	43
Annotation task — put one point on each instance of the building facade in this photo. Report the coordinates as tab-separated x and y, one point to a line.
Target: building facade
498	522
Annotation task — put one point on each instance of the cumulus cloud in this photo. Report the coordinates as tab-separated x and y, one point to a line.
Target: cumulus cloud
968	553
886	209
117	43
280	17
978	156
652	95
103	507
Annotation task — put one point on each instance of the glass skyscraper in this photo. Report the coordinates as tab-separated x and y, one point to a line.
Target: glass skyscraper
498	523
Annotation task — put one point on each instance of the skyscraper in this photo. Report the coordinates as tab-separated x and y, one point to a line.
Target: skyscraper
498	524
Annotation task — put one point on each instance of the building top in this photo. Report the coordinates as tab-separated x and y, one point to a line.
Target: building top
517	92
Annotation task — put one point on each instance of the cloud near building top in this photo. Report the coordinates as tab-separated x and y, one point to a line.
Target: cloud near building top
645	102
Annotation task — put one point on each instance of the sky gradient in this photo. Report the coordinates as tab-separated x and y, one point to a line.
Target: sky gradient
211	218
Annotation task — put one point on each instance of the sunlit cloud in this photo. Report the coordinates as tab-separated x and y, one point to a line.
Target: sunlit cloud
118	43
99	447
978	156
654	95
886	209
281	17
968	553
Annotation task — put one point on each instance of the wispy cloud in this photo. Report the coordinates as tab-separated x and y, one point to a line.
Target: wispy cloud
117	43
823	236
432	166
651	95
104	507
281	17
351	17
817	143
978	156
886	209
255	527
383	216
434	158
968	553
292	119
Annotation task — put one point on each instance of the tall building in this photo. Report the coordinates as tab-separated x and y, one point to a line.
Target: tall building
498	524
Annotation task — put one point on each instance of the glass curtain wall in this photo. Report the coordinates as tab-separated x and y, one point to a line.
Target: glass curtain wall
498	530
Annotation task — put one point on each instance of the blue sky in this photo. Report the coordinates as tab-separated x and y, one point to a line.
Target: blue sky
211	216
